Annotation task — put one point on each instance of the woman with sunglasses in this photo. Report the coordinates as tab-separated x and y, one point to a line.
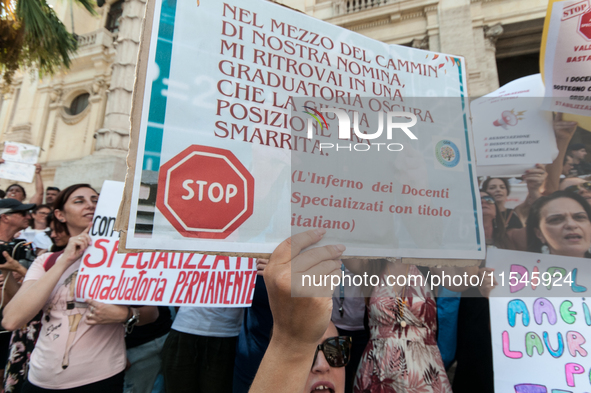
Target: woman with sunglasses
81	346
299	323
327	374
475	367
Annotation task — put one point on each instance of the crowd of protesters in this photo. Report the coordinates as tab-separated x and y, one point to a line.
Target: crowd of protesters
382	339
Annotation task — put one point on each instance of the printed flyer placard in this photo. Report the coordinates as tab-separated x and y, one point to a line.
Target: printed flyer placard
540	320
567	61
511	131
159	278
19	161
217	148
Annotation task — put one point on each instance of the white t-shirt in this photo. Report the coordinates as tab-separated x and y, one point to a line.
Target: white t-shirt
29	234
209	321
42	241
96	352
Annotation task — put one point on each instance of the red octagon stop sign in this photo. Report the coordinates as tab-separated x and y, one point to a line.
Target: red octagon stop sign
585	25
205	192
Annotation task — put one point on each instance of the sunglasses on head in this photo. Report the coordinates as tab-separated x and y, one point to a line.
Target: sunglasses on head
488	199
579	187
337	351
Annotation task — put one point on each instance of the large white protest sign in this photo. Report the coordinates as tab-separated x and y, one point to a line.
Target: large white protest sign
221	143
567	59
19	161
159	278
540	320
511	131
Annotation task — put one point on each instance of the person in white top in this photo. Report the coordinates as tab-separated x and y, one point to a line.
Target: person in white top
36	233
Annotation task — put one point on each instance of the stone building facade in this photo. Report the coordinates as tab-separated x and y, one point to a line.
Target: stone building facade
500	39
80	118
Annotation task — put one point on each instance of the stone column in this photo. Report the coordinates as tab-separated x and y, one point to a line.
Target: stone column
113	138
108	162
455	29
432	28
491	34
461	32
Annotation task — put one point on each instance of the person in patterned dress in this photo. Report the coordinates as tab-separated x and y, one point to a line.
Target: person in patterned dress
402	354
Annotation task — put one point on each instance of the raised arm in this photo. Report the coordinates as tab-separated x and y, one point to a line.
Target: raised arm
564	131
31	298
33	294
37	199
298	322
534	178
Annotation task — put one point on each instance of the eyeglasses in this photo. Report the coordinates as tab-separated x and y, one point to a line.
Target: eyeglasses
337	351
488	199
579	187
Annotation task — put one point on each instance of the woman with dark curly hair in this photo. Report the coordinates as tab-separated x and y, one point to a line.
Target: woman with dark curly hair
559	224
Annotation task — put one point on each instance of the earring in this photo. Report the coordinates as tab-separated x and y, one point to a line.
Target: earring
545	249
494	222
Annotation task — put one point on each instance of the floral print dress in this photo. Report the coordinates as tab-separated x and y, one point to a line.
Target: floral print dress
402	359
22	343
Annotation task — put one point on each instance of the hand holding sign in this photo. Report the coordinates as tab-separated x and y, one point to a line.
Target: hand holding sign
300	320
261	265
75	248
535	177
103	314
563	130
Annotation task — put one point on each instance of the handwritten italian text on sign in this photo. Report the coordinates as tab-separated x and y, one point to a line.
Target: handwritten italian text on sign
158	278
540	318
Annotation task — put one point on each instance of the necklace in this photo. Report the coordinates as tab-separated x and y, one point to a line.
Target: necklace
401	302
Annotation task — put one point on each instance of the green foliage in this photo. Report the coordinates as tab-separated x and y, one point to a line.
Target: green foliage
32	36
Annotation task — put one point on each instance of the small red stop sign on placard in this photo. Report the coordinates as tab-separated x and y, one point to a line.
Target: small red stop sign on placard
205	192
585	25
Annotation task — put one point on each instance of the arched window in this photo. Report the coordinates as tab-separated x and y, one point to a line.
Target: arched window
114	16
78	104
